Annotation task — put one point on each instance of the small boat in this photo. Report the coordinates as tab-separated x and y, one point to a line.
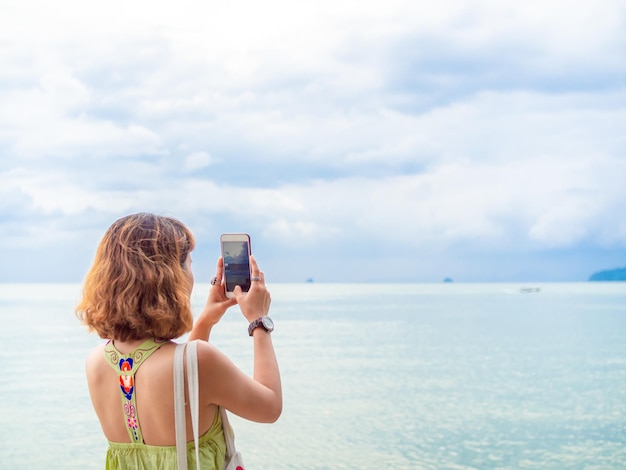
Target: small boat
528	290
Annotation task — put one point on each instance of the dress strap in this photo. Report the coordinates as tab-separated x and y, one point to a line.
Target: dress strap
126	366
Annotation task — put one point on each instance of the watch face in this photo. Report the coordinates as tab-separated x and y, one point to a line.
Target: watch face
268	323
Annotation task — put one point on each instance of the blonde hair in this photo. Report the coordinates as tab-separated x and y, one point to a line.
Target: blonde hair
137	287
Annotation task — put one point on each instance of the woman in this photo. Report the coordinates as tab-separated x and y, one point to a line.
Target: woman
137	296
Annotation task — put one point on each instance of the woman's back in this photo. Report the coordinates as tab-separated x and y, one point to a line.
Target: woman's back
131	386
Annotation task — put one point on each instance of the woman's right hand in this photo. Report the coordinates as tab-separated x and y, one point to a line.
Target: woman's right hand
256	303
214	309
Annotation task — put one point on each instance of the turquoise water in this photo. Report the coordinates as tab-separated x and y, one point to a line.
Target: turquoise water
454	376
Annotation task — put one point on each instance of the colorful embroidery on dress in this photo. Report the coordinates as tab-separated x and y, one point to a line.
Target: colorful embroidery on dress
127	385
127	381
126	366
131	420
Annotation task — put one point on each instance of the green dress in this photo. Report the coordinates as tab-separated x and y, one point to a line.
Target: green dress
139	456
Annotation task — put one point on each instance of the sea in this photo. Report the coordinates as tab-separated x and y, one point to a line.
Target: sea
375	376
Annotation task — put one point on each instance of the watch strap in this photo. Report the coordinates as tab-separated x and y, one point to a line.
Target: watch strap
256	324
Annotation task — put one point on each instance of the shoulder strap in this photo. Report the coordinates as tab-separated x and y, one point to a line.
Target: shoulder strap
179	401
192	383
229	436
179	407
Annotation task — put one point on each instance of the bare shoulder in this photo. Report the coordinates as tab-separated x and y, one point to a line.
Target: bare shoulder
96	353
210	358
207	352
95	360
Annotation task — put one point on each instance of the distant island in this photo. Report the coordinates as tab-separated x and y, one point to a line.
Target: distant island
618	274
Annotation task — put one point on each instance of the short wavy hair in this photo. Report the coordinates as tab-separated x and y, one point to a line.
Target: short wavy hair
137	287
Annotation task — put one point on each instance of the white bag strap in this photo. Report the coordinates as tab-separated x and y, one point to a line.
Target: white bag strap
192	383
229	435
179	407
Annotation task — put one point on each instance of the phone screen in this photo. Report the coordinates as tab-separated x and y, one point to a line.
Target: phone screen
236	264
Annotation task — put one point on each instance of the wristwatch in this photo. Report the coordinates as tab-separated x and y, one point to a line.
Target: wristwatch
264	322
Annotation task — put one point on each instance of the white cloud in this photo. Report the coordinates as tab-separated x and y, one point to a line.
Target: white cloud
87	138
198	161
476	123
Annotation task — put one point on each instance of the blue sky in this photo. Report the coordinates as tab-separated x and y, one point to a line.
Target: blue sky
355	141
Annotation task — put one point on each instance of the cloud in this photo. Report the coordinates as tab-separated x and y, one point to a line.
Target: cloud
197	161
471	127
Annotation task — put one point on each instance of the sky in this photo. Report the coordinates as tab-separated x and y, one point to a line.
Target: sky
355	141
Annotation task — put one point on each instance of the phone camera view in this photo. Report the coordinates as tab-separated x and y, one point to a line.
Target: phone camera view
236	265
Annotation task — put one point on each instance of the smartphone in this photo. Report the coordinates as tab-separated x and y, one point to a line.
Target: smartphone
236	252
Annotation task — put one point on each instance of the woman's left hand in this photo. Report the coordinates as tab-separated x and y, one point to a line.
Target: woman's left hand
216	305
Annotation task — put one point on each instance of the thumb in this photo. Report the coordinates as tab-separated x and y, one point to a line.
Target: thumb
237	292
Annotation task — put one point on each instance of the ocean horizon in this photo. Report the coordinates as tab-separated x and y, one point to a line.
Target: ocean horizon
375	375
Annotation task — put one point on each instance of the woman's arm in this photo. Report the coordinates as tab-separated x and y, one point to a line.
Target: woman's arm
216	305
257	398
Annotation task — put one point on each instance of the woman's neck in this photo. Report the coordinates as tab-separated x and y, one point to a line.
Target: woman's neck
127	346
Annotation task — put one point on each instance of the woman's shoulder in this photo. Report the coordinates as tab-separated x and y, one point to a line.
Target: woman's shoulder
96	354
207	350
95	363
211	359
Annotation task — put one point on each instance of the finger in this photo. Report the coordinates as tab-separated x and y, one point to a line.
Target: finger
219	270
217	280
237	292
259	280
256	275
254	267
